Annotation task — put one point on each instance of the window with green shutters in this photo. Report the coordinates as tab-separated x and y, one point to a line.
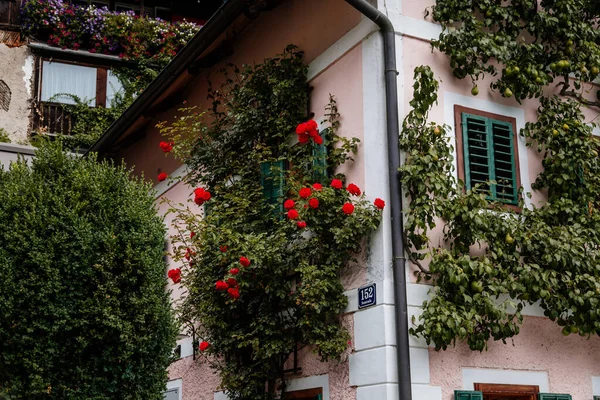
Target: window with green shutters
320	165
487	153
272	180
552	396
467	395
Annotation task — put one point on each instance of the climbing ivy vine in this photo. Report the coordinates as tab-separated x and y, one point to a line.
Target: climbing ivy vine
494	260
261	264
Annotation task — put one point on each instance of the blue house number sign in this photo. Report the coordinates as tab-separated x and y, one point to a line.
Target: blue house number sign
367	296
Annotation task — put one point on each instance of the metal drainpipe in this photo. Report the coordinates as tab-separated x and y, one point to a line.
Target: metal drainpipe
393	132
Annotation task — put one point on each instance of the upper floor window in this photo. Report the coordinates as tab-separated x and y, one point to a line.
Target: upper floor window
96	86
487	153
308	394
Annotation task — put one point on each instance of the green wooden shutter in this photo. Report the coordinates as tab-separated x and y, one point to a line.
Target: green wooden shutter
552	396
467	395
272	180
320	164
318	397
489	155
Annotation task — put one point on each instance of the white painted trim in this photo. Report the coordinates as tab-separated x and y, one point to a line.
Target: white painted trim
173	180
504	376
596	385
341	47
187	346
176	384
310	382
415	27
452	99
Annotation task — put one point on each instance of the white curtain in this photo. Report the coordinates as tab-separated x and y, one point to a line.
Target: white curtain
59	78
113	86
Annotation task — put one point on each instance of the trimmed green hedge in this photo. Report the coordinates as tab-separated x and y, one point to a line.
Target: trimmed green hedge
84	313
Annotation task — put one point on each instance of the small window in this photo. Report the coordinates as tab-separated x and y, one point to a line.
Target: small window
487	151
272	181
60	78
308	394
492	391
113	87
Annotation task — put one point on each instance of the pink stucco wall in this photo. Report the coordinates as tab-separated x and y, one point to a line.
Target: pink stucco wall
569	361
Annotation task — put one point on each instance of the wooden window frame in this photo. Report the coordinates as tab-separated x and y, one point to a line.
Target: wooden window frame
491	389
101	78
460	156
301	394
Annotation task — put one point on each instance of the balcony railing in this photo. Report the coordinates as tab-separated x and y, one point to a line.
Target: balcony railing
52	119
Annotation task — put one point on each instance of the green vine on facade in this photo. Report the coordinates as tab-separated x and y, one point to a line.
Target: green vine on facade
262	266
495	260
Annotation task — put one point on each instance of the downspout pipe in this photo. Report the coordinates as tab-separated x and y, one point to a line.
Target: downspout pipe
393	135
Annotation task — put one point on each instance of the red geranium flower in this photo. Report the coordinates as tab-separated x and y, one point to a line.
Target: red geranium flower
234	293
304	193
201	195
234	271
223	249
348	208
166	147
336	184
293	214
175	275
204	346
317	186
313	203
379	203
301	224
231	282
289	204
220	285
353	189
244	261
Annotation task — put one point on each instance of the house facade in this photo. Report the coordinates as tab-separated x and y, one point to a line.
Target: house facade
36	72
344	51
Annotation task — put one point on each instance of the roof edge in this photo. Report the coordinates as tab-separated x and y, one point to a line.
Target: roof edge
214	27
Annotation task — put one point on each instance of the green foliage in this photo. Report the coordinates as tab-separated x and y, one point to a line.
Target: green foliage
83	309
4	138
524	45
290	294
547	254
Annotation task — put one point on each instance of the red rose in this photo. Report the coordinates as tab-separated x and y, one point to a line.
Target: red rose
192	234
311	125
234	293
304	193
189	253
175	275
336	184
234	271
201	196
244	261
203	346
162	176
166	147
348	208
317	186
313	203
303	138
318	140
353	189
223	249
379	203
301	128
289	204
231	282
293	214
301	224
220	285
